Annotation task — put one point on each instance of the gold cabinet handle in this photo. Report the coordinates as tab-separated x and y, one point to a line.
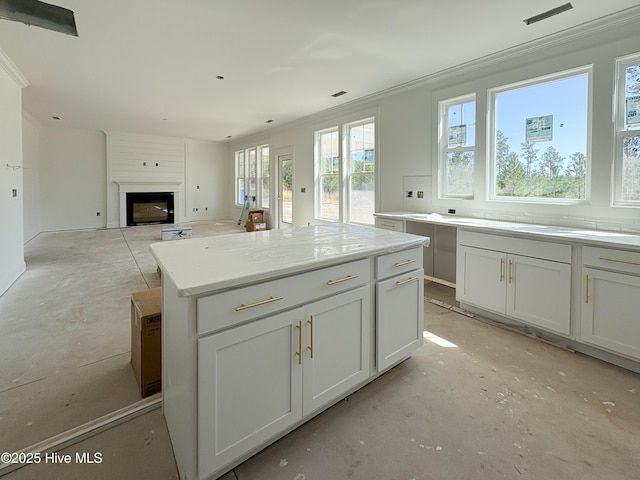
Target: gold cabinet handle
344	279
389	225
257	304
586	289
400	264
299	352
404	282
501	269
619	260
510	270
310	347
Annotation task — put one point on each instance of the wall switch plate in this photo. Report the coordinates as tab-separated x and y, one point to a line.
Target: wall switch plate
303	190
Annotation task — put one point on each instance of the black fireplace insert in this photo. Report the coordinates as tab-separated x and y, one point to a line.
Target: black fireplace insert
149	208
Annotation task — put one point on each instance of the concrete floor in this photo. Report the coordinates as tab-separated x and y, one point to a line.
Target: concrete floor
489	404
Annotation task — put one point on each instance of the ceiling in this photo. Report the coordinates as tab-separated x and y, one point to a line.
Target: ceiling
151	66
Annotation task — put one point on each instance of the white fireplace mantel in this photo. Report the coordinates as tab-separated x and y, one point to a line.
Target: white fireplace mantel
148	187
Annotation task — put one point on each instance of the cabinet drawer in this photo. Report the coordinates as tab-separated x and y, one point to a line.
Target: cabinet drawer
610	259
234	307
389	224
398	262
556	252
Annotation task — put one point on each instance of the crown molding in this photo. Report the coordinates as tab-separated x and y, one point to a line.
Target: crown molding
12	70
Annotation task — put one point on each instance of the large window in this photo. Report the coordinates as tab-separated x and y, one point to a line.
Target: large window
361	159
345	172
627	125
328	197
540	139
252	175
457	141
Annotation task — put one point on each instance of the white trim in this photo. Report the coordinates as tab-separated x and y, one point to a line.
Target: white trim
12	70
136	187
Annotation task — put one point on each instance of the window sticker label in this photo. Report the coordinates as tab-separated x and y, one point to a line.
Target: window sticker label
458	136
539	129
633	110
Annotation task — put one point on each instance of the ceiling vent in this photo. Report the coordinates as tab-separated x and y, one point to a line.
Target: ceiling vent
547	14
40	14
339	94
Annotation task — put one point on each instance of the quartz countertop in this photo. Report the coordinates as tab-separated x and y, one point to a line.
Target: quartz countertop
549	232
207	264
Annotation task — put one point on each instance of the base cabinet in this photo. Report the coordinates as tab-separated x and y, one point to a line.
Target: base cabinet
399	335
259	379
610	300
531	288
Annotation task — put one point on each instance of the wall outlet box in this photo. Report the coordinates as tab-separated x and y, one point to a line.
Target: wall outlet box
452	211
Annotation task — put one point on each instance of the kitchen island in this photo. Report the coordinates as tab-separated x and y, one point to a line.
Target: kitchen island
264	330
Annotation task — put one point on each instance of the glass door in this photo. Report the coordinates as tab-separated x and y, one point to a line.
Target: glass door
285	191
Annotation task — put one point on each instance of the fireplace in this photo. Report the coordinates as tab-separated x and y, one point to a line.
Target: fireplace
144	208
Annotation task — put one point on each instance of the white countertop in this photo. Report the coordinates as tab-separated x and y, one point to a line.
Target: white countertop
576	235
207	264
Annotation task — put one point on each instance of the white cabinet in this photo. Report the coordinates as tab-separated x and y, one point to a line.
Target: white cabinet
249	388
526	280
335	347
258	379
399	306
610	306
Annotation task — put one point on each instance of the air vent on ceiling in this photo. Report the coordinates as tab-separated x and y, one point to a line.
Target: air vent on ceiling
40	14
339	94
547	14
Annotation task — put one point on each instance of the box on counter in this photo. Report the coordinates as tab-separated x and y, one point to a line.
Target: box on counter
176	232
146	344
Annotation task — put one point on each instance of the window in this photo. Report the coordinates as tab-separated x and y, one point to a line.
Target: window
329	176
457	119
345	172
627	126
540	138
252	175
361	154
240	178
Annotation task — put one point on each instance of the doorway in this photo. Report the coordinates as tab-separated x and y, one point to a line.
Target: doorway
285	190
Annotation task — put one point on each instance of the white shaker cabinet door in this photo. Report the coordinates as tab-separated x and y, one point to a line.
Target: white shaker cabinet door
611	311
400	317
480	278
539	292
249	388
336	346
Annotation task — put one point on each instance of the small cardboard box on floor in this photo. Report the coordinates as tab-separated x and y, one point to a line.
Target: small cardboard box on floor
146	343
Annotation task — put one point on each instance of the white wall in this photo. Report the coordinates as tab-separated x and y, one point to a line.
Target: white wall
72	179
407	122
207	188
11	216
31	176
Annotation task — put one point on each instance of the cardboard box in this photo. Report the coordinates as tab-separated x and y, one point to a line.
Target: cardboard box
176	232
146	343
255	216
254	227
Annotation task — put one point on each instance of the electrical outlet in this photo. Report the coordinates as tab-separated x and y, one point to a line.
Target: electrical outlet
410	194
452	211
97	214
14	192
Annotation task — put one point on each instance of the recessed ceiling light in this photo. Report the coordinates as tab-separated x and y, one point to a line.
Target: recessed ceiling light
339	94
56	118
220	77
547	14
228	136
269	121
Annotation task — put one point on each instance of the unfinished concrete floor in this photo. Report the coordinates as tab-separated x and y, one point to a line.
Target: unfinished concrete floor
485	403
